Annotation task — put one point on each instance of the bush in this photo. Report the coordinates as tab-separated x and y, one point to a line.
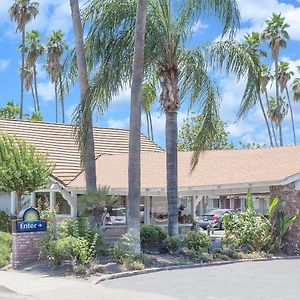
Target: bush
5	248
247	231
197	241
152	235
5	221
170	244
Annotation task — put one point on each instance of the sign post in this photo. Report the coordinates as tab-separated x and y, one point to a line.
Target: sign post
27	232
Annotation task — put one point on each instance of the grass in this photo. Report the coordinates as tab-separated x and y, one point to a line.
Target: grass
5	248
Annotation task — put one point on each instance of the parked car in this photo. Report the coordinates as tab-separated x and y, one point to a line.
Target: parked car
214	218
116	216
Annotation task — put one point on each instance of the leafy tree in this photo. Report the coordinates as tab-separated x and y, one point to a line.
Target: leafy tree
176	70
22	168
22	12
36	117
190	129
10	111
252	145
134	160
55	49
277	35
85	138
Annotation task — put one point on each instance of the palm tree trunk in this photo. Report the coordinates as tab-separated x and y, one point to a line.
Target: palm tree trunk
151	126
172	178
272	125
292	114
33	97
170	101
62	100
148	125
134	161
89	151
277	99
266	120
56	103
22	74
35	88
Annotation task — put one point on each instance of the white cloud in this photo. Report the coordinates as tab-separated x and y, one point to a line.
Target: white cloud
70	110
198	26
4	63
120	123
46	91
123	97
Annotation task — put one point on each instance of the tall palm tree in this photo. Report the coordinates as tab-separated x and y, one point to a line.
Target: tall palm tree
277	35
86	138
253	42
296	87
134	161
55	50
28	84
34	49
265	77
284	75
22	12
182	71
277	113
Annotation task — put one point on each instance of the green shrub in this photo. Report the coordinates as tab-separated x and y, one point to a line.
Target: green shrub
170	244
247	231
5	221
5	248
152	235
197	241
69	248
123	248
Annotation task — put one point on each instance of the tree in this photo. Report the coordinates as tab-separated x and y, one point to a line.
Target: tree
34	49
277	113
253	42
85	138
134	160
55	49
190	129
277	35
10	111
22	168
296	87
181	72
22	12
284	75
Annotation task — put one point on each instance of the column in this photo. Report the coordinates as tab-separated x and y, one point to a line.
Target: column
13	203
73	205
33	199
193	207
52	199
147	210
231	203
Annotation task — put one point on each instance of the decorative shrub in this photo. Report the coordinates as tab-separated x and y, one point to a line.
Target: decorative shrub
170	244
5	221
152	235
197	241
5	248
247	231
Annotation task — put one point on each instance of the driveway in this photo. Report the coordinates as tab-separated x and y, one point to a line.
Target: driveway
270	280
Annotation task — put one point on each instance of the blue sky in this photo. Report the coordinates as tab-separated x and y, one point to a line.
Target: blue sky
55	14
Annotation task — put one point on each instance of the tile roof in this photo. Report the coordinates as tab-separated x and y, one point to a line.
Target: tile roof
227	167
58	142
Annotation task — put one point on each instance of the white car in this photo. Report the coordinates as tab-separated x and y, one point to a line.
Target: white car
116	216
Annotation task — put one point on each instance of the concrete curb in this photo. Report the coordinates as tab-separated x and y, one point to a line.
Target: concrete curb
191	266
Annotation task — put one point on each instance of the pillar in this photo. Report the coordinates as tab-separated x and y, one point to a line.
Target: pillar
193	207
73	205
147	210
13	203
33	199
231	203
52	199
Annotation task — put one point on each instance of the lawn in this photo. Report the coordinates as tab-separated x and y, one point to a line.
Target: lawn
5	248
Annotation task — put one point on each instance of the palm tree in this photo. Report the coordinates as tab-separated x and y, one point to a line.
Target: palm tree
296	87
86	138
284	75
22	12
277	113
134	161
55	49
28	83
34	49
277	35
265	77
253	42
181	71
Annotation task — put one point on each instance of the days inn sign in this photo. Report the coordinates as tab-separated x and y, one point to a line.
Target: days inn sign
31	222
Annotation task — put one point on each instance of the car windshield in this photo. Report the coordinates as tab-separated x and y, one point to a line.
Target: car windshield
117	213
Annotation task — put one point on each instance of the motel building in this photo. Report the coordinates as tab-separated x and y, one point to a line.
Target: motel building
220	180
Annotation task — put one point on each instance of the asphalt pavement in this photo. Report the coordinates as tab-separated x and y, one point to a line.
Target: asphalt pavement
268	280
